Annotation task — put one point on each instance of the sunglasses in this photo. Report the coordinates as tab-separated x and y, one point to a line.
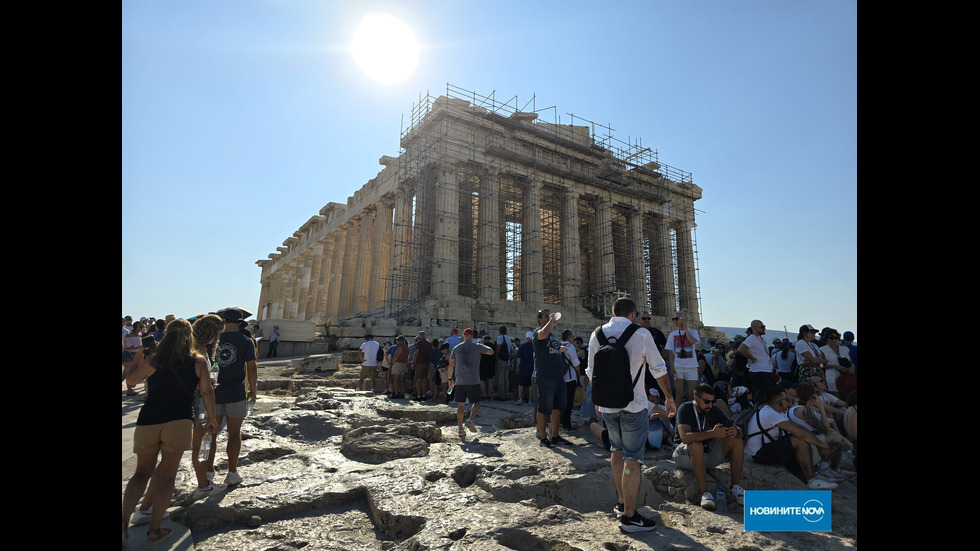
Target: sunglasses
645	319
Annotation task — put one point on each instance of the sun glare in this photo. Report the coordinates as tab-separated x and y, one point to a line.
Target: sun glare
385	49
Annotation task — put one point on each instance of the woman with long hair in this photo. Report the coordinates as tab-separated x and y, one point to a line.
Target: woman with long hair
206	331
164	427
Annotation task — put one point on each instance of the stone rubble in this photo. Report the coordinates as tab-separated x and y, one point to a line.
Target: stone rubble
329	467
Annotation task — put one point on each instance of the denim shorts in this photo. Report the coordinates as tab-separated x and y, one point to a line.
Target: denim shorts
552	395
628	433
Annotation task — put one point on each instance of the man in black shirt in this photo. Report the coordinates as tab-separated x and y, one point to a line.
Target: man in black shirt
705	439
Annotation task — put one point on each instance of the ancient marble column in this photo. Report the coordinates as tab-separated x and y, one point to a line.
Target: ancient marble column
571	261
665	300
488	239
686	271
638	276
336	272
604	253
303	298
365	255
531	260
381	259
402	243
323	278
445	257
350	262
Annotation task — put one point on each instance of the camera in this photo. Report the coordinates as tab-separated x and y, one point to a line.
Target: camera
683	353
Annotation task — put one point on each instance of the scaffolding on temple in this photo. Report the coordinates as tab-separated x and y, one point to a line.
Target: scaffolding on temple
497	148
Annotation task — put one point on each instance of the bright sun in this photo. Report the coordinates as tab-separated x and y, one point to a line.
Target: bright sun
385	49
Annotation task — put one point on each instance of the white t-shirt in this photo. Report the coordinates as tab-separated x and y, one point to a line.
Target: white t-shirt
757	347
370	349
573	358
677	343
831	374
769	418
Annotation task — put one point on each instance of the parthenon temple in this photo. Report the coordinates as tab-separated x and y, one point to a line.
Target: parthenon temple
487	215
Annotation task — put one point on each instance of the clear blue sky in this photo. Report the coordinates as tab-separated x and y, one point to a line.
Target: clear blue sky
240	119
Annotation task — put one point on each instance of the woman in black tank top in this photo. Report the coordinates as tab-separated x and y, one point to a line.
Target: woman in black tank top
173	373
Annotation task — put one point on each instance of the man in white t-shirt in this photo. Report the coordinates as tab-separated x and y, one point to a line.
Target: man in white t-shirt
754	348
368	352
772	439
682	356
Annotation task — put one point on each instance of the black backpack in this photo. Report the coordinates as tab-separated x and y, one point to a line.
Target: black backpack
612	386
503	353
381	354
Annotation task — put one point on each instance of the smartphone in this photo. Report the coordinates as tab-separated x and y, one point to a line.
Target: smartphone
148	342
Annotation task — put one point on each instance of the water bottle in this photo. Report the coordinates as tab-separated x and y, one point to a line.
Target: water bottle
721	501
249	406
205	447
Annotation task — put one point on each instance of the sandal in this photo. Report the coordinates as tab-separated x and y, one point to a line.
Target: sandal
152	542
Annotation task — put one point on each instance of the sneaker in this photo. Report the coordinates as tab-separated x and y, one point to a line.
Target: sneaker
210	490
708	501
143	517
233	478
519	401
545	443
739	494
469	425
558	440
829	475
618	510
817	484
636	523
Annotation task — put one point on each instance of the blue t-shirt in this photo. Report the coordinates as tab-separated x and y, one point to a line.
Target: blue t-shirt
547	357
234	350
526	353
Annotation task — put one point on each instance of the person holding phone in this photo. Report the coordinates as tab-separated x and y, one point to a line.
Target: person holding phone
706	438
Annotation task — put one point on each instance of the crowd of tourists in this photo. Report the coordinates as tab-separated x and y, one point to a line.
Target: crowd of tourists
710	401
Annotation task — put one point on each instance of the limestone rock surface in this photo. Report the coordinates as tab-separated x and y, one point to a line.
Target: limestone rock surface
329	467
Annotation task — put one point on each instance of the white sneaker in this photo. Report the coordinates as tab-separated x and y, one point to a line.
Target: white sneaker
708	501
143	517
817	484
205	492
829	475
233	478
739	494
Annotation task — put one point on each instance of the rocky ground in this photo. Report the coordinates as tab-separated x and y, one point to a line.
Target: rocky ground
329	467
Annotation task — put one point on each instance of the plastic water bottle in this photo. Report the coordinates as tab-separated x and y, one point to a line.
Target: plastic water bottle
721	501
249	406
205	447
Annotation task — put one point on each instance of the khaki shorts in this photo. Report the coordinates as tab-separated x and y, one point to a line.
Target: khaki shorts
399	368
368	371
422	371
173	436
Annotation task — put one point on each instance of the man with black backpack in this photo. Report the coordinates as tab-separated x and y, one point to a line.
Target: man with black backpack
618	357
